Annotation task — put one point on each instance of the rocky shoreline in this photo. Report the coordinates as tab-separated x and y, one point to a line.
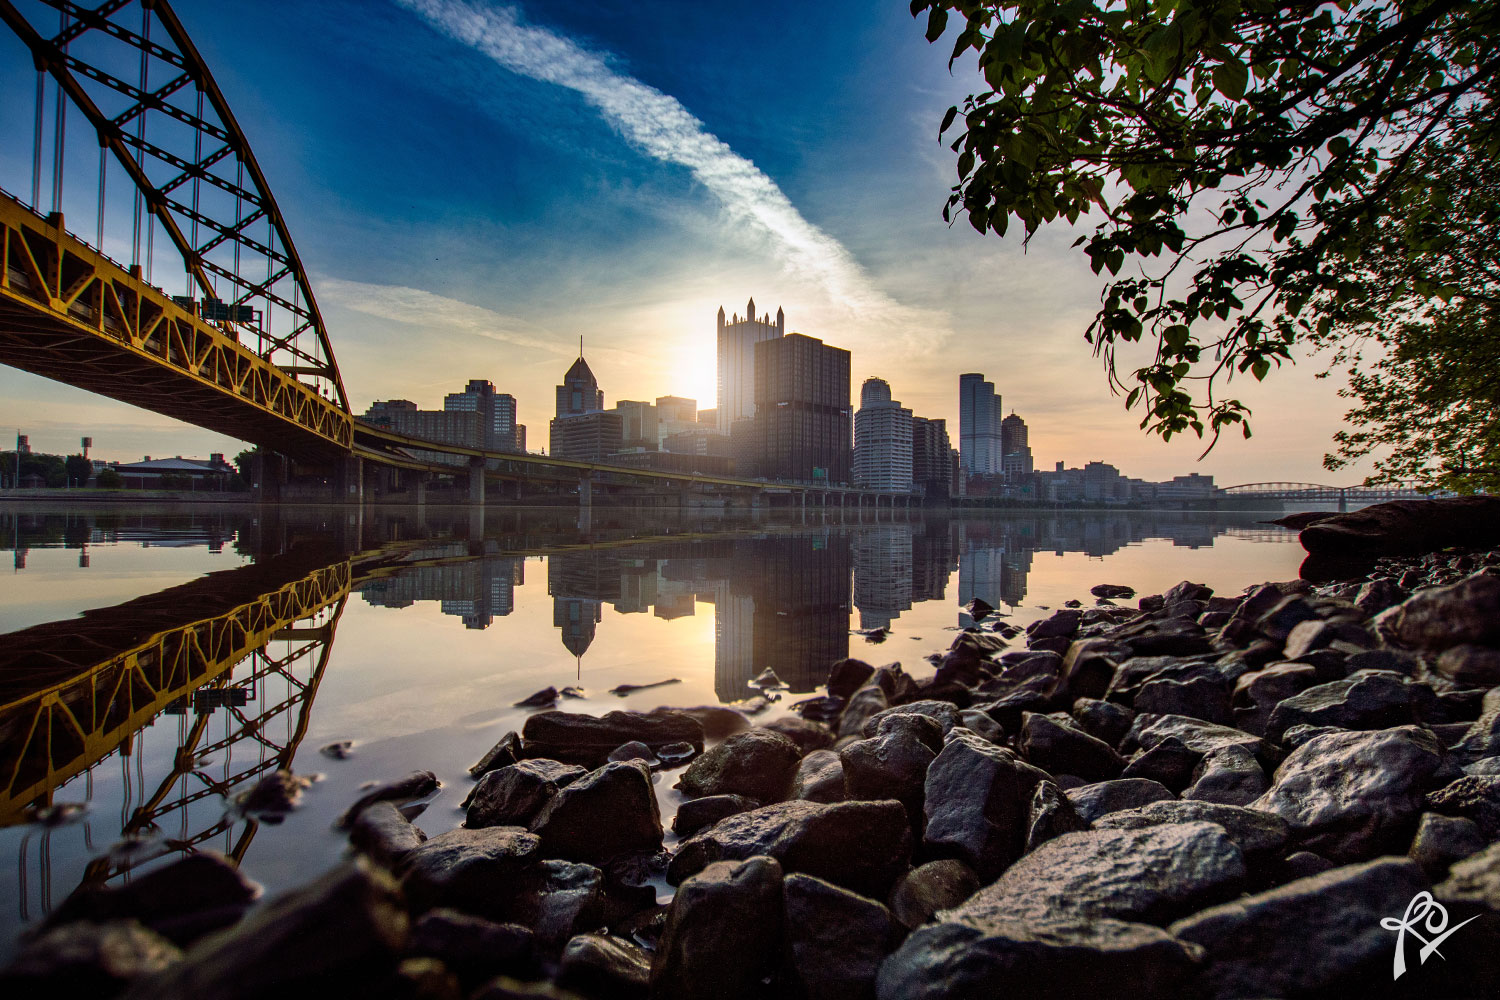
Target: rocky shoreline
1200	796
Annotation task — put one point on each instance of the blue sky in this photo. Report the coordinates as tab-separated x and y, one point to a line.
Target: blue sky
474	185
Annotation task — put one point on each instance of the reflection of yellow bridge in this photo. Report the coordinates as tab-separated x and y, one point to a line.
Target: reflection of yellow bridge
71	692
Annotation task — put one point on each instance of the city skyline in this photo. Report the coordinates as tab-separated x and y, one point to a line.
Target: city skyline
824	197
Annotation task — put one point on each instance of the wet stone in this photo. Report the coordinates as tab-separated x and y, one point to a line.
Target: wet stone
696	958
586	740
513	795
926	889
758	763
819	777
696	814
601	965
977	802
86	959
506	751
1230	776
1063	748
1105	797
607	812
1103	720
1170	762
471	870
1442	840
382	832
1050	814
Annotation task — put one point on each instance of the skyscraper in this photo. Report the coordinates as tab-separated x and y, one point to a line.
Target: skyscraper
931	457
736	353
882	440
497	413
979	414
801	430
1017	452
582	430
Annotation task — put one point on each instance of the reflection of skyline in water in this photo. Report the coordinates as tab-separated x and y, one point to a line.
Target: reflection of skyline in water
157	709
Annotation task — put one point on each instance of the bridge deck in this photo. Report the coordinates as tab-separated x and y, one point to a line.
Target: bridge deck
70	314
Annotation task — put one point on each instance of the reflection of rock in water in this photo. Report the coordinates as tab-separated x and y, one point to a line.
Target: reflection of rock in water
79	692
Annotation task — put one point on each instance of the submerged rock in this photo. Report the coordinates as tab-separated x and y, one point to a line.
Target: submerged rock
575	738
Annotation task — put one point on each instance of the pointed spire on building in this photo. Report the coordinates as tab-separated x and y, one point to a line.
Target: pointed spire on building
750	310
721	317
780	320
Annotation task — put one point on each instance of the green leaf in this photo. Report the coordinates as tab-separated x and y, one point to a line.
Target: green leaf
947	120
937	22
1230	79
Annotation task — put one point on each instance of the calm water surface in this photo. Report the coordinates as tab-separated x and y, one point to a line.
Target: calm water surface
154	661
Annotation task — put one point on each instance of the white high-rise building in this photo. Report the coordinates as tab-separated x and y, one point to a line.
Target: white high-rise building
882	439
737	338
979	434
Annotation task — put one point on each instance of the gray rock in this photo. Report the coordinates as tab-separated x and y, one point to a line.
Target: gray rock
937	885
513	795
1059	624
472	946
1231	776
982	725
1442	840
1203	737
718	721
1103	720
1470	665
1061	748
847	676
977	800
339	934
890	766
757	764
556	899
864	703
1256	694
634	750
1475	797
1171	637
695	814
1098	959
1170	762
586	740
1377	595
416	785
836	939
819	777
504	753
1277	623
1369	699
1104	797
808	735
182	901
920	726
86	959
862	846
606	812
696	958
1444	617
1203	697
1351	795
1089	667
382	832
1050	814
1473	883
944	713
1255	833
1311	937
601	965
605	966
470	870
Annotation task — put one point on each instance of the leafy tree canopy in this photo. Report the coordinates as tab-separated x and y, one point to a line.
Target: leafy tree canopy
1241	157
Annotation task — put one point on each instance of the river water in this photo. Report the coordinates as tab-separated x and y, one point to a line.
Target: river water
155	661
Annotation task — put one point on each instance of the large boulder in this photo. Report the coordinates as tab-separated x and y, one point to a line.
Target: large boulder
340	935
697	958
384	833
1051	814
1104	797
587	740
758	764
513	795
1231	776
601	965
862	846
1368	699
863	704
695	814
1068	920
926	889
1256	834
607	812
1475	797
1205	697
1443	617
1318	936
1062	747
977	800
473	947
890	766
471	870
835	939
1401	527
1351	795
819	777
87	959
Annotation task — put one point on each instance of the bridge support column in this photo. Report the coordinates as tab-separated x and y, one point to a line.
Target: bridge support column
349	480
476	481
267	475
586	491
417	491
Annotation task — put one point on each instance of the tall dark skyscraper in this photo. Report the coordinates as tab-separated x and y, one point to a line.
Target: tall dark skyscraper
582	430
803	426
1014	443
931	457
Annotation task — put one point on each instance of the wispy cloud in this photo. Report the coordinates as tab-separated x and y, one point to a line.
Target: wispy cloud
660	126
414	307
